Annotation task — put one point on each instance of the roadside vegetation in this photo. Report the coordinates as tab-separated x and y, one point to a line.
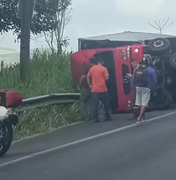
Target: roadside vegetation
50	74
50	70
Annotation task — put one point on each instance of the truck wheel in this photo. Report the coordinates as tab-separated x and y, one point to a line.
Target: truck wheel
166	101
159	45
172	60
151	106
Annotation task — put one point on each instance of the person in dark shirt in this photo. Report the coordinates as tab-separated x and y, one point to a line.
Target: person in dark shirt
85	96
145	81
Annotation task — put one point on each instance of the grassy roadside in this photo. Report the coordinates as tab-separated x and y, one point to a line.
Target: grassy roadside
50	74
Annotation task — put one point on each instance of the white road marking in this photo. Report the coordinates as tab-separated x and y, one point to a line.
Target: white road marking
79	141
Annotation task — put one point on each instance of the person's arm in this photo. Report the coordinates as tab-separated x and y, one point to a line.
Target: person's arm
133	80
129	75
133	85
154	77
106	74
88	78
81	80
153	80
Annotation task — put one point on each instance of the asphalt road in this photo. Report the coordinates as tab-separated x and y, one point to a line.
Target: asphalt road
141	152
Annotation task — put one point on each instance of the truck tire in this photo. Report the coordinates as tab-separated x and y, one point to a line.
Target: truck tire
151	106
159	45
172	60
166	102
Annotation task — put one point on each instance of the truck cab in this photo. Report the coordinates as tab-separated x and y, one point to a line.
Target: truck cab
118	62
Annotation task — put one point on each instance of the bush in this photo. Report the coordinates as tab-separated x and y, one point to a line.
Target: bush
50	74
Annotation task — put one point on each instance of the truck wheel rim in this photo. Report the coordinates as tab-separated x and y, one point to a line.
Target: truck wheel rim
158	43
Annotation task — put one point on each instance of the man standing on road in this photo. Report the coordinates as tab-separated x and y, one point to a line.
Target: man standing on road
96	78
85	96
145	81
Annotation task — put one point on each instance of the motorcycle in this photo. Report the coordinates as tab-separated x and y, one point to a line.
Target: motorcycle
8	121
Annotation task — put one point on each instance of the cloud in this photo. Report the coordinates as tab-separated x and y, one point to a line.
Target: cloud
96	17
140	7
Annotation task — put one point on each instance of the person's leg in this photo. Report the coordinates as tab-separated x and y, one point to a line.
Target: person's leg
86	111
145	101
142	113
82	110
104	97
82	105
94	107
138	98
84	102
135	110
88	106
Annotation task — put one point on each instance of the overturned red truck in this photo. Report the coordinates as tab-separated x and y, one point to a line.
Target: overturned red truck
117	54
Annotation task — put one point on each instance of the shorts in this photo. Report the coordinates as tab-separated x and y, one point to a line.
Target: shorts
142	96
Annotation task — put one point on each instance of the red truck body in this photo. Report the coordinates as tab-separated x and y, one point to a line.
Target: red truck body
118	62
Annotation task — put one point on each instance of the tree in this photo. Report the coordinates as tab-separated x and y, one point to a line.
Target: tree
160	26
43	19
54	37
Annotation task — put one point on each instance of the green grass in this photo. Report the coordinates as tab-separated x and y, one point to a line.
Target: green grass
50	73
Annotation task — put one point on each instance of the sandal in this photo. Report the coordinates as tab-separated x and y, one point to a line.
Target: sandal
138	121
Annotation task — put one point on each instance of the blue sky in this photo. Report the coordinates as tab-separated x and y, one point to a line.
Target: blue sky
96	17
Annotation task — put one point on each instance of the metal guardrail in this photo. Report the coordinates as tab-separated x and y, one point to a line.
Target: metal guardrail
47	100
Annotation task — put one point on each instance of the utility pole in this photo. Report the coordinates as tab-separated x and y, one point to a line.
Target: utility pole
25	12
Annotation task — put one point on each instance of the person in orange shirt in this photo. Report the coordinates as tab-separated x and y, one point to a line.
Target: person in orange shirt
96	78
